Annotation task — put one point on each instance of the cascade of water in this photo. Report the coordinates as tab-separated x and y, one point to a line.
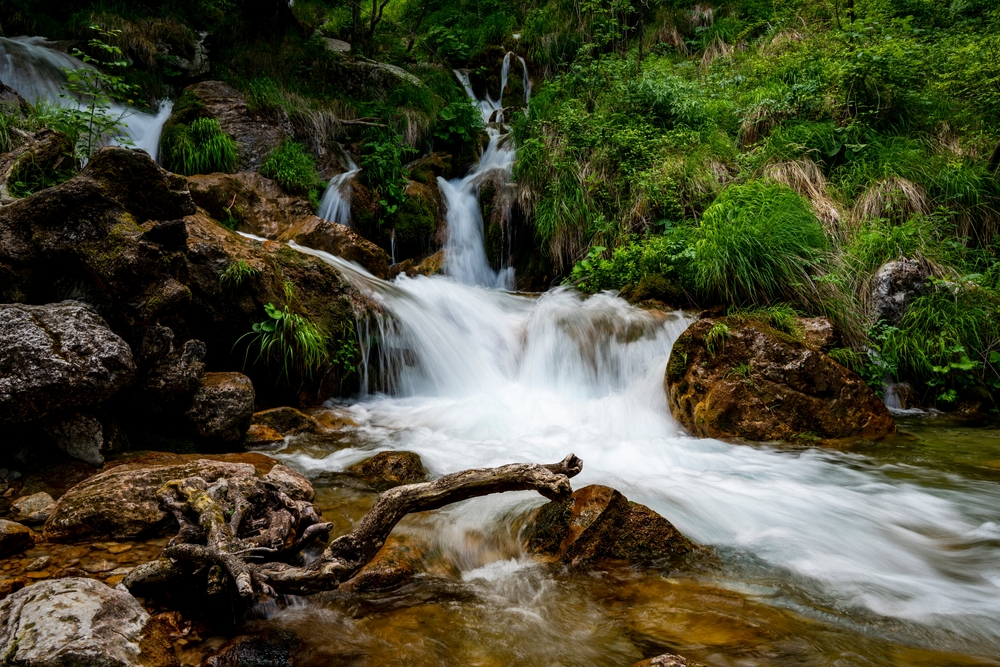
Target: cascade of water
37	71
335	205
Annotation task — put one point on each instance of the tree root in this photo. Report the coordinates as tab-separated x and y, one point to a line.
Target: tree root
247	536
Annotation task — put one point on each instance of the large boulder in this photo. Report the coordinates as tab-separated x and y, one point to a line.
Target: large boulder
667	660
44	153
14	538
259	204
57	357
76	622
339	240
895	285
256	132
739	377
121	502
597	523
222	407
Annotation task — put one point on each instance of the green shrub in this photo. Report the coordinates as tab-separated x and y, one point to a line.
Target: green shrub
199	148
290	342
758	245
669	255
459	122
293	167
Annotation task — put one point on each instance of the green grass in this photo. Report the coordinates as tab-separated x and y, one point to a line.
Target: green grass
289	342
237	273
759	243
293	167
715	339
199	148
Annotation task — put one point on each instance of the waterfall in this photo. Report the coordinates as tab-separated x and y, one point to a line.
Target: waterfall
34	69
465	253
335	205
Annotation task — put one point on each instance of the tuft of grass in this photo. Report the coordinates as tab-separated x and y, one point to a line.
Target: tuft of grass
715	339
290	342
237	273
293	167
199	148
759	242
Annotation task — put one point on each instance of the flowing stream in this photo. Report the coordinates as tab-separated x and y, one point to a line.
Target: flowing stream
335	204
36	70
880	554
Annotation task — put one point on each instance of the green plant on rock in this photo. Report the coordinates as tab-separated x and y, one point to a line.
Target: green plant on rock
290	342
293	167
382	168
199	148
237	273
758	243
715	339
94	89
459	122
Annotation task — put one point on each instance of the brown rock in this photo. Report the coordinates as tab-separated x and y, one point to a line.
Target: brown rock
222	407
430	266
761	384
388	469
256	133
331	419
259	204
597	523
286	421
120	503
667	660
339	240
818	332
259	435
395	564
8	586
14	538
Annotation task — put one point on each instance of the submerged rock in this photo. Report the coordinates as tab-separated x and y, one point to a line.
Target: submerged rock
597	523
14	538
742	378
395	564
388	469
121	502
74	622
273	649
222	408
57	357
32	509
667	660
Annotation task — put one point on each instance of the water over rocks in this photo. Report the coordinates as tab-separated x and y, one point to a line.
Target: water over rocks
739	377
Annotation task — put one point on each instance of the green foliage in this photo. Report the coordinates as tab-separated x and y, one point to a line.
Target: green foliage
30	177
382	158
669	255
758	244
715	339
293	167
780	316
289	342
237	273
95	88
459	122
199	148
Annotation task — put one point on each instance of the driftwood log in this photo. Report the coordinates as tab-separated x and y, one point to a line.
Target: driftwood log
247	537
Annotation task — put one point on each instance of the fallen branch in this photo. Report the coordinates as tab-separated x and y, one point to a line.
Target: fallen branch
228	527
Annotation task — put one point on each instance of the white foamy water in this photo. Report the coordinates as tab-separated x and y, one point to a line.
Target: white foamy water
335	204
483	377
34	69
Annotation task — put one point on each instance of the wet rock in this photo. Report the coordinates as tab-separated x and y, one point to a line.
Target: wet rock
12	102
259	204
14	538
818	332
656	287
667	660
120	503
430	266
172	376
388	469
292	483
74	621
57	357
8	586
259	435
38	564
222	408
428	169
44	152
338	240
32	509
895	285
332	419
286	421
597	523
757	383
255	133
395	564
274	649
79	435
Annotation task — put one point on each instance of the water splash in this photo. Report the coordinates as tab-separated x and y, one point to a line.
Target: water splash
335	205
32	67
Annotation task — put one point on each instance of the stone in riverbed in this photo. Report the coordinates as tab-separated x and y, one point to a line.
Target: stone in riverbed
286	421
395	564
739	377
73	622
667	660
598	522
222	407
273	649
388	469
57	357
79	435
14	538
32	509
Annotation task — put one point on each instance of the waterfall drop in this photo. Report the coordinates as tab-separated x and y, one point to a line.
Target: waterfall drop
335	205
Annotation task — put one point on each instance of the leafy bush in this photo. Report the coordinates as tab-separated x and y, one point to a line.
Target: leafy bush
292	166
758	244
459	122
382	170
199	148
669	255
